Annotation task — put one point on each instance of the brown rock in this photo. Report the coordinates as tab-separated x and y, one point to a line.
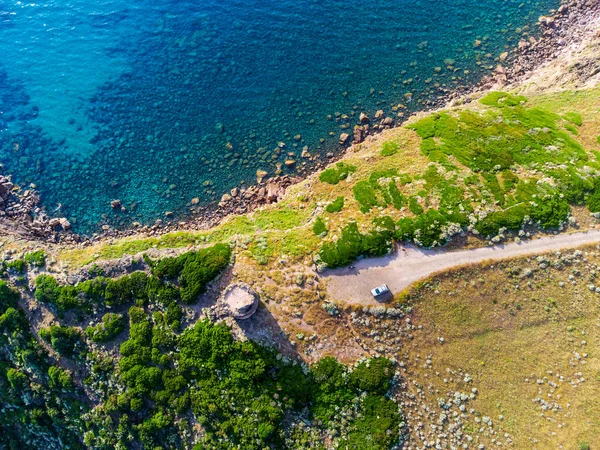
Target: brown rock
116	204
344	138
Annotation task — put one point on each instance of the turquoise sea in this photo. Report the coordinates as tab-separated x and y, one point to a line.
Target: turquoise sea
155	103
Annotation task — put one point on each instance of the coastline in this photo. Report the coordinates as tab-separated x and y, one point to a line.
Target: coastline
563	29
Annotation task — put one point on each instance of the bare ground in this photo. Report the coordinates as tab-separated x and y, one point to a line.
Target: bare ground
410	264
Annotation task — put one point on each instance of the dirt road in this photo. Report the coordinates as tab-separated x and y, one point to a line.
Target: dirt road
409	264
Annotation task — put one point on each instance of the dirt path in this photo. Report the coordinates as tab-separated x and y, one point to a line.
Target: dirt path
409	264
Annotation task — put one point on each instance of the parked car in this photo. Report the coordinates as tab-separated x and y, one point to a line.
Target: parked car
380	291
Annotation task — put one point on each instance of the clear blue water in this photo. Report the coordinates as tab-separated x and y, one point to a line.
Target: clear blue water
156	103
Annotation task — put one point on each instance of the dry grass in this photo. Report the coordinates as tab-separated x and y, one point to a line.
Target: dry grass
507	330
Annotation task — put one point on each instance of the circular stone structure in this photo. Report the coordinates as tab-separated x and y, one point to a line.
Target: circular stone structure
241	300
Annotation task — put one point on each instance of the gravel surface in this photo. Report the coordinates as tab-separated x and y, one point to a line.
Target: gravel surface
409	264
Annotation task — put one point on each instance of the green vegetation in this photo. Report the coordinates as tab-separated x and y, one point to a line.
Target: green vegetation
574	118
333	175
319	227
192	271
111	326
335	206
36	259
40	408
18	265
64	340
352	243
525	171
240	392
389	148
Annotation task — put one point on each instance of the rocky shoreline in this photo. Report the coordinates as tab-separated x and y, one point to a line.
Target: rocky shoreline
21	214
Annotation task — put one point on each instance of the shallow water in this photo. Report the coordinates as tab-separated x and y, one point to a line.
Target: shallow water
157	103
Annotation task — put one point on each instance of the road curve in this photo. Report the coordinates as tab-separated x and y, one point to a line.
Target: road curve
402	268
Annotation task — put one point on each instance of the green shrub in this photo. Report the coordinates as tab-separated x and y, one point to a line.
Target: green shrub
511	219
17	379
36	259
502	99
398	200
373	376
112	324
551	212
582	445
572	129
335	206
63	339
365	195
509	180
352	244
389	148
414	206
47	289
319	227
574	118
200	268
376	428
59	379
333	175
18	265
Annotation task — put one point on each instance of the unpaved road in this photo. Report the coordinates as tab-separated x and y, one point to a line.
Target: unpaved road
402	268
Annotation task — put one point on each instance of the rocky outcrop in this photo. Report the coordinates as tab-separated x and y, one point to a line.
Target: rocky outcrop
20	215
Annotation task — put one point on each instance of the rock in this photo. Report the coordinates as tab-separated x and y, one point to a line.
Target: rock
241	300
235	192
260	174
363	118
169	214
225	198
379	114
344	138
195	201
274	193
290	162
116	204
6	188
358	135
305	153
53	223
503	56
64	223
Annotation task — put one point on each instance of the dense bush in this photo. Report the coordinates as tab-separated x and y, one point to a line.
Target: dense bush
389	148
352	244
551	212
65	340
366	196
59	379
319	227
333	175
192	271
36	259
574	118
335	206
47	289
18	265
112	324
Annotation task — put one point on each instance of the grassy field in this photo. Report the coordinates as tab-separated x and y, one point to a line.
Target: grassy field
524	333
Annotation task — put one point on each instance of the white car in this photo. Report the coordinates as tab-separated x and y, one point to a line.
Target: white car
380	290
